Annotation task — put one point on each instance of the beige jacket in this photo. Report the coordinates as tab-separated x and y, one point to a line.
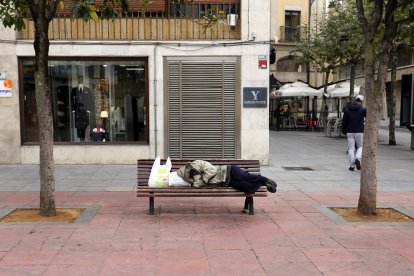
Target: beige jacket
202	173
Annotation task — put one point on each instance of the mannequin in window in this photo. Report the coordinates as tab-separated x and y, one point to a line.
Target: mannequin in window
81	94
98	134
81	121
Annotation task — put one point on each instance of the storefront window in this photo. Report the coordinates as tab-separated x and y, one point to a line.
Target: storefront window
92	101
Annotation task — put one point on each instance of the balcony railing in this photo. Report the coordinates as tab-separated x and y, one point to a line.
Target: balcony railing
161	20
290	33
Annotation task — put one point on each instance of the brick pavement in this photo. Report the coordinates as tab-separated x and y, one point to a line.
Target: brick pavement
289	235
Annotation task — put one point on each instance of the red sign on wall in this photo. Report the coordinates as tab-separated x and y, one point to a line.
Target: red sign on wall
262	62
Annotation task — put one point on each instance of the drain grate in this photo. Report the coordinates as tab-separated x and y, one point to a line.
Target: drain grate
298	168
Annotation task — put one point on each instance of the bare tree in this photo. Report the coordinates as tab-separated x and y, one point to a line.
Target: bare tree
13	14
378	19
391	128
404	40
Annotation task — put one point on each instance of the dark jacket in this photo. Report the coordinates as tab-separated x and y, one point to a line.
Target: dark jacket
81	119
354	118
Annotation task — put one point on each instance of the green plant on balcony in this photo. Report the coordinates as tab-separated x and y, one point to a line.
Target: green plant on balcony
209	18
89	9
144	5
84	9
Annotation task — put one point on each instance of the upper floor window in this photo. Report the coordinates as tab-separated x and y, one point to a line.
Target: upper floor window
292	18
292	25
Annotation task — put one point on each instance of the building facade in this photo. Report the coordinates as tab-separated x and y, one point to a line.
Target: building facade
288	20
151	84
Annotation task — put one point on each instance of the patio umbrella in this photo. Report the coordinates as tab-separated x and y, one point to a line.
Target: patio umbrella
342	89
330	87
296	89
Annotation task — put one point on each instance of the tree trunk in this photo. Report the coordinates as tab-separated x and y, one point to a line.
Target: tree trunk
323	116
391	139
367	203
375	93
352	83
44	113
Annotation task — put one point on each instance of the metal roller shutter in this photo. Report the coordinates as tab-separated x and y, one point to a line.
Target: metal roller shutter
201	100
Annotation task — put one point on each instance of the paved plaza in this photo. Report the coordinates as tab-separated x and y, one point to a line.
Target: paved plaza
292	233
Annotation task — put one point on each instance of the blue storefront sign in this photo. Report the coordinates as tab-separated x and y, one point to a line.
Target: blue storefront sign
255	97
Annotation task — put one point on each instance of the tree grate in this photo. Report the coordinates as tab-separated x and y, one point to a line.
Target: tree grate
298	168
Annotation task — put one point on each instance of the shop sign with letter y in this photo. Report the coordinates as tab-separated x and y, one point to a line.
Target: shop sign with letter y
255	97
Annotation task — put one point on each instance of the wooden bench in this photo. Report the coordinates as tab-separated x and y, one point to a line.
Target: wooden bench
144	170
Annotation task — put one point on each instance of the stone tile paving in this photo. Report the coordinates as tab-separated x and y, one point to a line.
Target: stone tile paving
291	233
287	236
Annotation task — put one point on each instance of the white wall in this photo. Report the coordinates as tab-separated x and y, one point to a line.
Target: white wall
9	107
254	121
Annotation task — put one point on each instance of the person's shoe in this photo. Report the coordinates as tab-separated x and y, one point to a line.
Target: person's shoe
264	180
271	186
357	164
351	168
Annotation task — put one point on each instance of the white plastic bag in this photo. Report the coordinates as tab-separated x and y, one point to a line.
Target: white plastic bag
159	173
174	180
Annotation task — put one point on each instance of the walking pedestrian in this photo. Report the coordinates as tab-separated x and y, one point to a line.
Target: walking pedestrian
353	128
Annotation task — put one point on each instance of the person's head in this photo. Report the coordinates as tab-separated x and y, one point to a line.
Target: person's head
359	99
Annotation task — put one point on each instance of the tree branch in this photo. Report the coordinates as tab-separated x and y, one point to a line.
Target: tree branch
390	10
34	11
361	15
52	12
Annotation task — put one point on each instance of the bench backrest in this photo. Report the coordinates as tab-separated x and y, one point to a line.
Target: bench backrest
145	166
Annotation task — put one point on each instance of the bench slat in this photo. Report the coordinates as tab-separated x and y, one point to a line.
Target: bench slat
192	189
200	194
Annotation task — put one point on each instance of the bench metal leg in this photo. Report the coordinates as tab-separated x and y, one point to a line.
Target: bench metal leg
251	206
246	203
151	205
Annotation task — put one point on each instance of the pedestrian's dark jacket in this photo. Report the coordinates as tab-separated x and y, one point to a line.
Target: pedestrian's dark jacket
353	119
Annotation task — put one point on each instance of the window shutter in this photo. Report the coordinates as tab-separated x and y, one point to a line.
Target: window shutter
202	109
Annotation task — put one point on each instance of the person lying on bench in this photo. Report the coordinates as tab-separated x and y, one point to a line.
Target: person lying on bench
202	173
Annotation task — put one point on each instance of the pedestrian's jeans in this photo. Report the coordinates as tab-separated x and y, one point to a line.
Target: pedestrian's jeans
354	138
